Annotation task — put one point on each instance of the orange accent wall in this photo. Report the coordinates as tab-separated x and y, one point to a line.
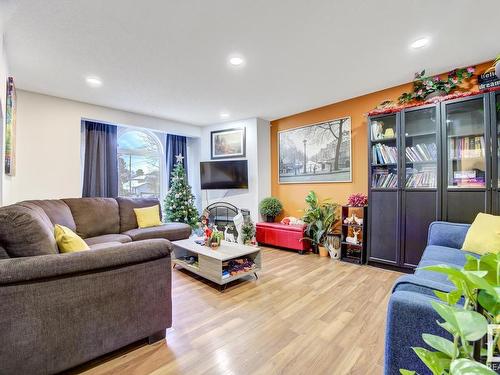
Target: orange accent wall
292	195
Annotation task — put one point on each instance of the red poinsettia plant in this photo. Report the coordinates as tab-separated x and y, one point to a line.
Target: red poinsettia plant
357	200
424	85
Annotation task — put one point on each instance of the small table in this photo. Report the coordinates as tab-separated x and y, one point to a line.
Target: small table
210	262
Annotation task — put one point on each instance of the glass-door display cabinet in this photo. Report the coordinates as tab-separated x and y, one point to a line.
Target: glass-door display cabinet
495	135
467	190
420	192
384	180
433	162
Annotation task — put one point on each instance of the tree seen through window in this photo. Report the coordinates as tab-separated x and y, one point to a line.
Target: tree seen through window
139	156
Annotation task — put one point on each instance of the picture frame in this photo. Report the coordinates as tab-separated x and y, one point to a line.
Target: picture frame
228	143
10	128
309	154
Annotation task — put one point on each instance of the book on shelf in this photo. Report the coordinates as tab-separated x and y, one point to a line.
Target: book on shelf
467	147
382	178
421	152
469	178
421	178
383	154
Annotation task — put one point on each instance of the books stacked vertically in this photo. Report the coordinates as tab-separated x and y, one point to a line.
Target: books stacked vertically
422	152
383	154
382	178
424	177
466	147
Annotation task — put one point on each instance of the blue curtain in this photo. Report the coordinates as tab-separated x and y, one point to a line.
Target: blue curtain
176	144
100	173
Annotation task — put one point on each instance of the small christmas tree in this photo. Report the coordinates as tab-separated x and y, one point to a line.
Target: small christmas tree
179	202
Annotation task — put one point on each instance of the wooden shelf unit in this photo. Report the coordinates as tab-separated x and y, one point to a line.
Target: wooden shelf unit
350	252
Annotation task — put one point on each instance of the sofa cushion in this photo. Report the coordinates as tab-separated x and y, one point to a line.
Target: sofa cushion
25	230
148	216
68	241
120	238
431	275
445	255
94	216
57	211
105	245
484	235
128	220
170	231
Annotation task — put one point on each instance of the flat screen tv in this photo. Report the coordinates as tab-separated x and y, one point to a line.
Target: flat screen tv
231	174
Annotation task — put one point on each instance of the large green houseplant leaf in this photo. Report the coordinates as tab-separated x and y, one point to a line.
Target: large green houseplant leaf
465	313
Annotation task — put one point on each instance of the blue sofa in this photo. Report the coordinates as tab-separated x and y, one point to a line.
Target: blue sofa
410	312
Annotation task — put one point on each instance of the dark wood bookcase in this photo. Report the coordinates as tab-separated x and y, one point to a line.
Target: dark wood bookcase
354	252
432	162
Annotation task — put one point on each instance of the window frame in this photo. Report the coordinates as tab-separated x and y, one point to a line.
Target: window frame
157	138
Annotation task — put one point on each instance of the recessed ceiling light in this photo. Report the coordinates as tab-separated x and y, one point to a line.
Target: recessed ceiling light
236	61
93	81
419	43
224	115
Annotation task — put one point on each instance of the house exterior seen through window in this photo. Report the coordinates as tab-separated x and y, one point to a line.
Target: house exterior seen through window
139	164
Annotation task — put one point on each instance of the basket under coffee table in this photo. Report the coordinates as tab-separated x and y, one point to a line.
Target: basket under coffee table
210	262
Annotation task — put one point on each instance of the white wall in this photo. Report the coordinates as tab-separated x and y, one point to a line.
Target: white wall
49	143
258	154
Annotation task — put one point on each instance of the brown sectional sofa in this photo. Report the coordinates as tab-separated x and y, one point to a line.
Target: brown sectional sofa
61	310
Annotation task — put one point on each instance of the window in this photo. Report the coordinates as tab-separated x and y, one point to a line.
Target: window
139	164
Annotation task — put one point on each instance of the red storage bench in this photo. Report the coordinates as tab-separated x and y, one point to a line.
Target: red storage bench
281	235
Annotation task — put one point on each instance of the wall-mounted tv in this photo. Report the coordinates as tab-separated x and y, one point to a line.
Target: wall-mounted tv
231	174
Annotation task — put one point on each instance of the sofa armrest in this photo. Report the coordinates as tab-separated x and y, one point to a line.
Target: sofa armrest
408	316
16	270
413	283
442	233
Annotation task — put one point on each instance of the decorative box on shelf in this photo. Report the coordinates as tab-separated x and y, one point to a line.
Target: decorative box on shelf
354	234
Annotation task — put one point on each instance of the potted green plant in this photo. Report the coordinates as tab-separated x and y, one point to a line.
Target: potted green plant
478	282
215	238
269	208
320	218
248	231
427	87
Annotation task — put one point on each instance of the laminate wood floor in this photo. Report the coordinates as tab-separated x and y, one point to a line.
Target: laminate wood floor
304	315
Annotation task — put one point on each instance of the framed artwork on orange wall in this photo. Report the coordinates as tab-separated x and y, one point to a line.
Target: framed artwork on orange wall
316	153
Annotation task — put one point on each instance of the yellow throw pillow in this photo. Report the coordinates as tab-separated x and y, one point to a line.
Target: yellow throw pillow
148	216
483	235
68	241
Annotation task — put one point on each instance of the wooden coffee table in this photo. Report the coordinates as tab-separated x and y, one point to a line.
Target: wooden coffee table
210	262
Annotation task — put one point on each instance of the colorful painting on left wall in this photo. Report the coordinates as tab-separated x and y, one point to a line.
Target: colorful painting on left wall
10	129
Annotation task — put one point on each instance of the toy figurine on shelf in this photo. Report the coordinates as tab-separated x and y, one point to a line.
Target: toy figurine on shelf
353	219
358	220
354	238
355	233
229	237
348	220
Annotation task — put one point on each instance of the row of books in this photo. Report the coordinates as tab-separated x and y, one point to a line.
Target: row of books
381	178
423	178
422	152
466	147
383	154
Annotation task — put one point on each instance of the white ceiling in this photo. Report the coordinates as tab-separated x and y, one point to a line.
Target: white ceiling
169	58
